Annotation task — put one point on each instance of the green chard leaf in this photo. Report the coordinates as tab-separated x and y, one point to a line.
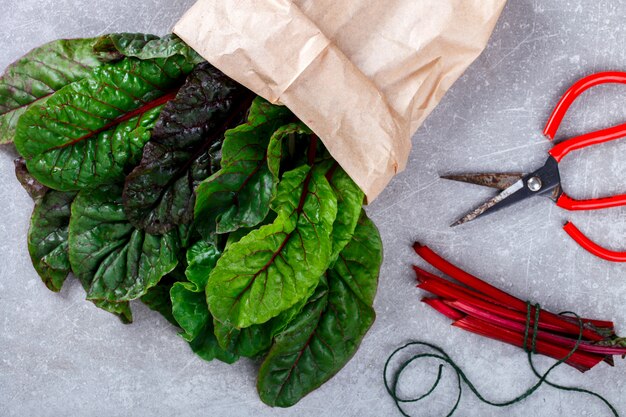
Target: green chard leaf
114	261
39	74
239	194
279	146
201	259
328	331
189	305
349	206
280	322
359	262
275	267
190	309
34	188
92	131
47	238
121	310
185	149
205	345
250	342
143	46
298	342
255	340
158	297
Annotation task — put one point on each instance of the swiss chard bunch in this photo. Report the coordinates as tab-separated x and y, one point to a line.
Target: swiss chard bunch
483	309
157	178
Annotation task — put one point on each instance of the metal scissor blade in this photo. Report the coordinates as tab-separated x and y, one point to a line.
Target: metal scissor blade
498	181
516	192
544	181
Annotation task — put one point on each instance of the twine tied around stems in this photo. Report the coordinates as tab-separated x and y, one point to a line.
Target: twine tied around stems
391	382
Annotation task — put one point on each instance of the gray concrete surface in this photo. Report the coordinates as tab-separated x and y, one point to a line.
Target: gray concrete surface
60	356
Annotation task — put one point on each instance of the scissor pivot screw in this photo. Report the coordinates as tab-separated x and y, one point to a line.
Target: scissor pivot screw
534	184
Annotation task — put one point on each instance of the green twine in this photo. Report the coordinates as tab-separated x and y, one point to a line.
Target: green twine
392	389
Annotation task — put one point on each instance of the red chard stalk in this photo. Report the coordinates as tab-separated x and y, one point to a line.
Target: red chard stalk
483	309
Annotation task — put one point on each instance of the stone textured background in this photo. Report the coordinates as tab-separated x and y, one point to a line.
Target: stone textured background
60	356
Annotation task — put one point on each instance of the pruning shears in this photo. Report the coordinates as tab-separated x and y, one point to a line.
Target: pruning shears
546	181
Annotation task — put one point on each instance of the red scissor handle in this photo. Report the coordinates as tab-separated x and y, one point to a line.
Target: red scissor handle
593	138
593	247
559	151
569	203
588	139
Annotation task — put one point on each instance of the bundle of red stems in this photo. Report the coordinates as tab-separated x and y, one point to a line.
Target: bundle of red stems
483	309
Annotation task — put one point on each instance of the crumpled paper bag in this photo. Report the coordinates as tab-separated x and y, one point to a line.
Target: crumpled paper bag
362	74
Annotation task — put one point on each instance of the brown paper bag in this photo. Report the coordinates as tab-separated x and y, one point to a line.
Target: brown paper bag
362	74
